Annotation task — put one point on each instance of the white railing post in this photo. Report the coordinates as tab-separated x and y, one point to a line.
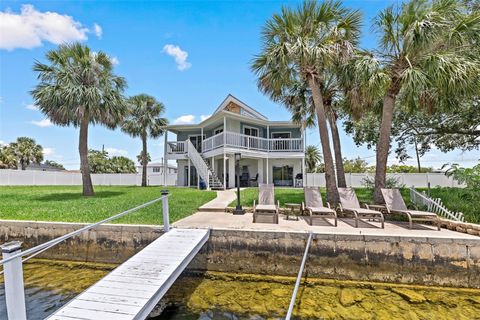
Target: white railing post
13	275
166	215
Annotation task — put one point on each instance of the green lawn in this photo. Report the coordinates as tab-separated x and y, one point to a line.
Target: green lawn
65	203
455	199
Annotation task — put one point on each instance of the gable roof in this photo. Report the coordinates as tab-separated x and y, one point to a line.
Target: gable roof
231	101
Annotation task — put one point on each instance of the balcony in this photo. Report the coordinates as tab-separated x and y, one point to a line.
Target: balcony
240	141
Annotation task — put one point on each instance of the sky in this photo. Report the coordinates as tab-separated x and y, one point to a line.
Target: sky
188	54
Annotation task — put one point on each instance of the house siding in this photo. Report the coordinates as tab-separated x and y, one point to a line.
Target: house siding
294	132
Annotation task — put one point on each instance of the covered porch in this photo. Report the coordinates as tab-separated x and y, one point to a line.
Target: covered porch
284	172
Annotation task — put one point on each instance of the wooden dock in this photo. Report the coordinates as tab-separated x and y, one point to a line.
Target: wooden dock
132	290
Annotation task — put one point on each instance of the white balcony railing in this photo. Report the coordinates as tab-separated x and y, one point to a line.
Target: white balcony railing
241	141
176	147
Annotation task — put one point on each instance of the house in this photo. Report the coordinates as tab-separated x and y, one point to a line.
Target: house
271	151
42	167
157	167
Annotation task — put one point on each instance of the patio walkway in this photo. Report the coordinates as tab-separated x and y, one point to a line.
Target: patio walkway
223	220
223	199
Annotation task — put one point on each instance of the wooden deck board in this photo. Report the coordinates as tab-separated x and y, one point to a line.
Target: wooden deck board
134	288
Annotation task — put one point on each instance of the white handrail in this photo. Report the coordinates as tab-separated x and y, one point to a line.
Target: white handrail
434	205
198	162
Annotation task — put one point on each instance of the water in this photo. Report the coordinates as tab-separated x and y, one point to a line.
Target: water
223	296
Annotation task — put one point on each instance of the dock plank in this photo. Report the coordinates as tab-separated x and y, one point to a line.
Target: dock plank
133	289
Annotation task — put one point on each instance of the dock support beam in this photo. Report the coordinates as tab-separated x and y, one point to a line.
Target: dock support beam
299	277
14	289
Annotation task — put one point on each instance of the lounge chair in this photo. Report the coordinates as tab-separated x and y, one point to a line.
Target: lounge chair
394	204
349	204
314	205
266	206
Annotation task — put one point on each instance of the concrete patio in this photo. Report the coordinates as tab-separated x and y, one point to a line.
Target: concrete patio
228	221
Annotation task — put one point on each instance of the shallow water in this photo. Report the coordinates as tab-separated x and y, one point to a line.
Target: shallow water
222	296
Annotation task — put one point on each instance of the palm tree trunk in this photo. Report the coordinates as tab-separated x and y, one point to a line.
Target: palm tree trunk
83	150
383	145
331	184
144	160
337	150
22	164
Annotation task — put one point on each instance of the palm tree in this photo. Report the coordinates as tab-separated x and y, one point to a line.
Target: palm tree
304	45
298	100
144	120
140	158
7	158
428	53
312	158
78	87
26	151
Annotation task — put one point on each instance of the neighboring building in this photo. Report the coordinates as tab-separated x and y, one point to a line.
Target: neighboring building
42	167
271	151
157	167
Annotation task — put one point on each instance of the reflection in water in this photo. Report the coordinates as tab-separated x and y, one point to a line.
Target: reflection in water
223	296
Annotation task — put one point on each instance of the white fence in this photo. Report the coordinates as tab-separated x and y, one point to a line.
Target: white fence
61	178
434	205
419	180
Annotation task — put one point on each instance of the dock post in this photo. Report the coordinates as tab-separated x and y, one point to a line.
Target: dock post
13	275
166	216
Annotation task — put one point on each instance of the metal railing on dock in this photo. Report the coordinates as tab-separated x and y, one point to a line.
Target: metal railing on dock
12	261
299	277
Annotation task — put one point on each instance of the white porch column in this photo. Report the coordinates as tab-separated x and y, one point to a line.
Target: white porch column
213	164
165	160
201	139
260	171
231	171
189	168
268	170
224	170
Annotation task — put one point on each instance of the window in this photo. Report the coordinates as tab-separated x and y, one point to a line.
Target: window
249	131
217	131
280	135
156	169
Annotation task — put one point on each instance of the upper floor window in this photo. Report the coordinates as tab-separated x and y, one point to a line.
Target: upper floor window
156	169
249	131
218	130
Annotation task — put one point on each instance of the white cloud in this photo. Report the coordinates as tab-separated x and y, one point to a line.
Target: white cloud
185	119
42	123
116	152
30	28
114	60
48	151
179	55
31	107
2	143
204	117
97	30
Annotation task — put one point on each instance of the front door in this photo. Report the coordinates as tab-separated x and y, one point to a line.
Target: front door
283	176
251	142
193	176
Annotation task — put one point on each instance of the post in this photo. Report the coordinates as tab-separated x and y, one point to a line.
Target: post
165	160
166	216
14	289
238	208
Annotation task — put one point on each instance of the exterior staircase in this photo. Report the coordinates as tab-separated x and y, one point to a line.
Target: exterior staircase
203	168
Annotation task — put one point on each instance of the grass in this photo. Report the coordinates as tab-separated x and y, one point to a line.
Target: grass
66	203
455	199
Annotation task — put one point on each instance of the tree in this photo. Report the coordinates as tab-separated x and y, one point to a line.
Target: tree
26	151
78	87
141	159
312	158
355	165
7	158
54	164
144	120
428	53
122	165
303	46
99	162
468	176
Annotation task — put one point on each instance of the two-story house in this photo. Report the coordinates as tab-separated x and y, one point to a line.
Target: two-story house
271	151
